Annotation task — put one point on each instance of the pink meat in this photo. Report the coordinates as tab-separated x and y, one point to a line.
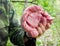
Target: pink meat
33	19
32	16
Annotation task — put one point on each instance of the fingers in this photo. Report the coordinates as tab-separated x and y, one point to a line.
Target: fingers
34	33
40	31
51	22
47	26
42	27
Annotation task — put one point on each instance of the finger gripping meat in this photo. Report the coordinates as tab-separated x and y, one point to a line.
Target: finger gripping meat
31	18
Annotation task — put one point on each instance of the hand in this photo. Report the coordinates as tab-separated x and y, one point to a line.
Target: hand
40	29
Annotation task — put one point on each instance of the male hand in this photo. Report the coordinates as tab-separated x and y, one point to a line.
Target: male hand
36	21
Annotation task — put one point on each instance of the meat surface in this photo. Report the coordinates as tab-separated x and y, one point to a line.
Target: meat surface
31	18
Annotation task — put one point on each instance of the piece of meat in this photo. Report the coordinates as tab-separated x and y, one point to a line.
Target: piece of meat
31	18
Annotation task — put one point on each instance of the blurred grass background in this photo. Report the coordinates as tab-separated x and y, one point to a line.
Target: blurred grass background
52	36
